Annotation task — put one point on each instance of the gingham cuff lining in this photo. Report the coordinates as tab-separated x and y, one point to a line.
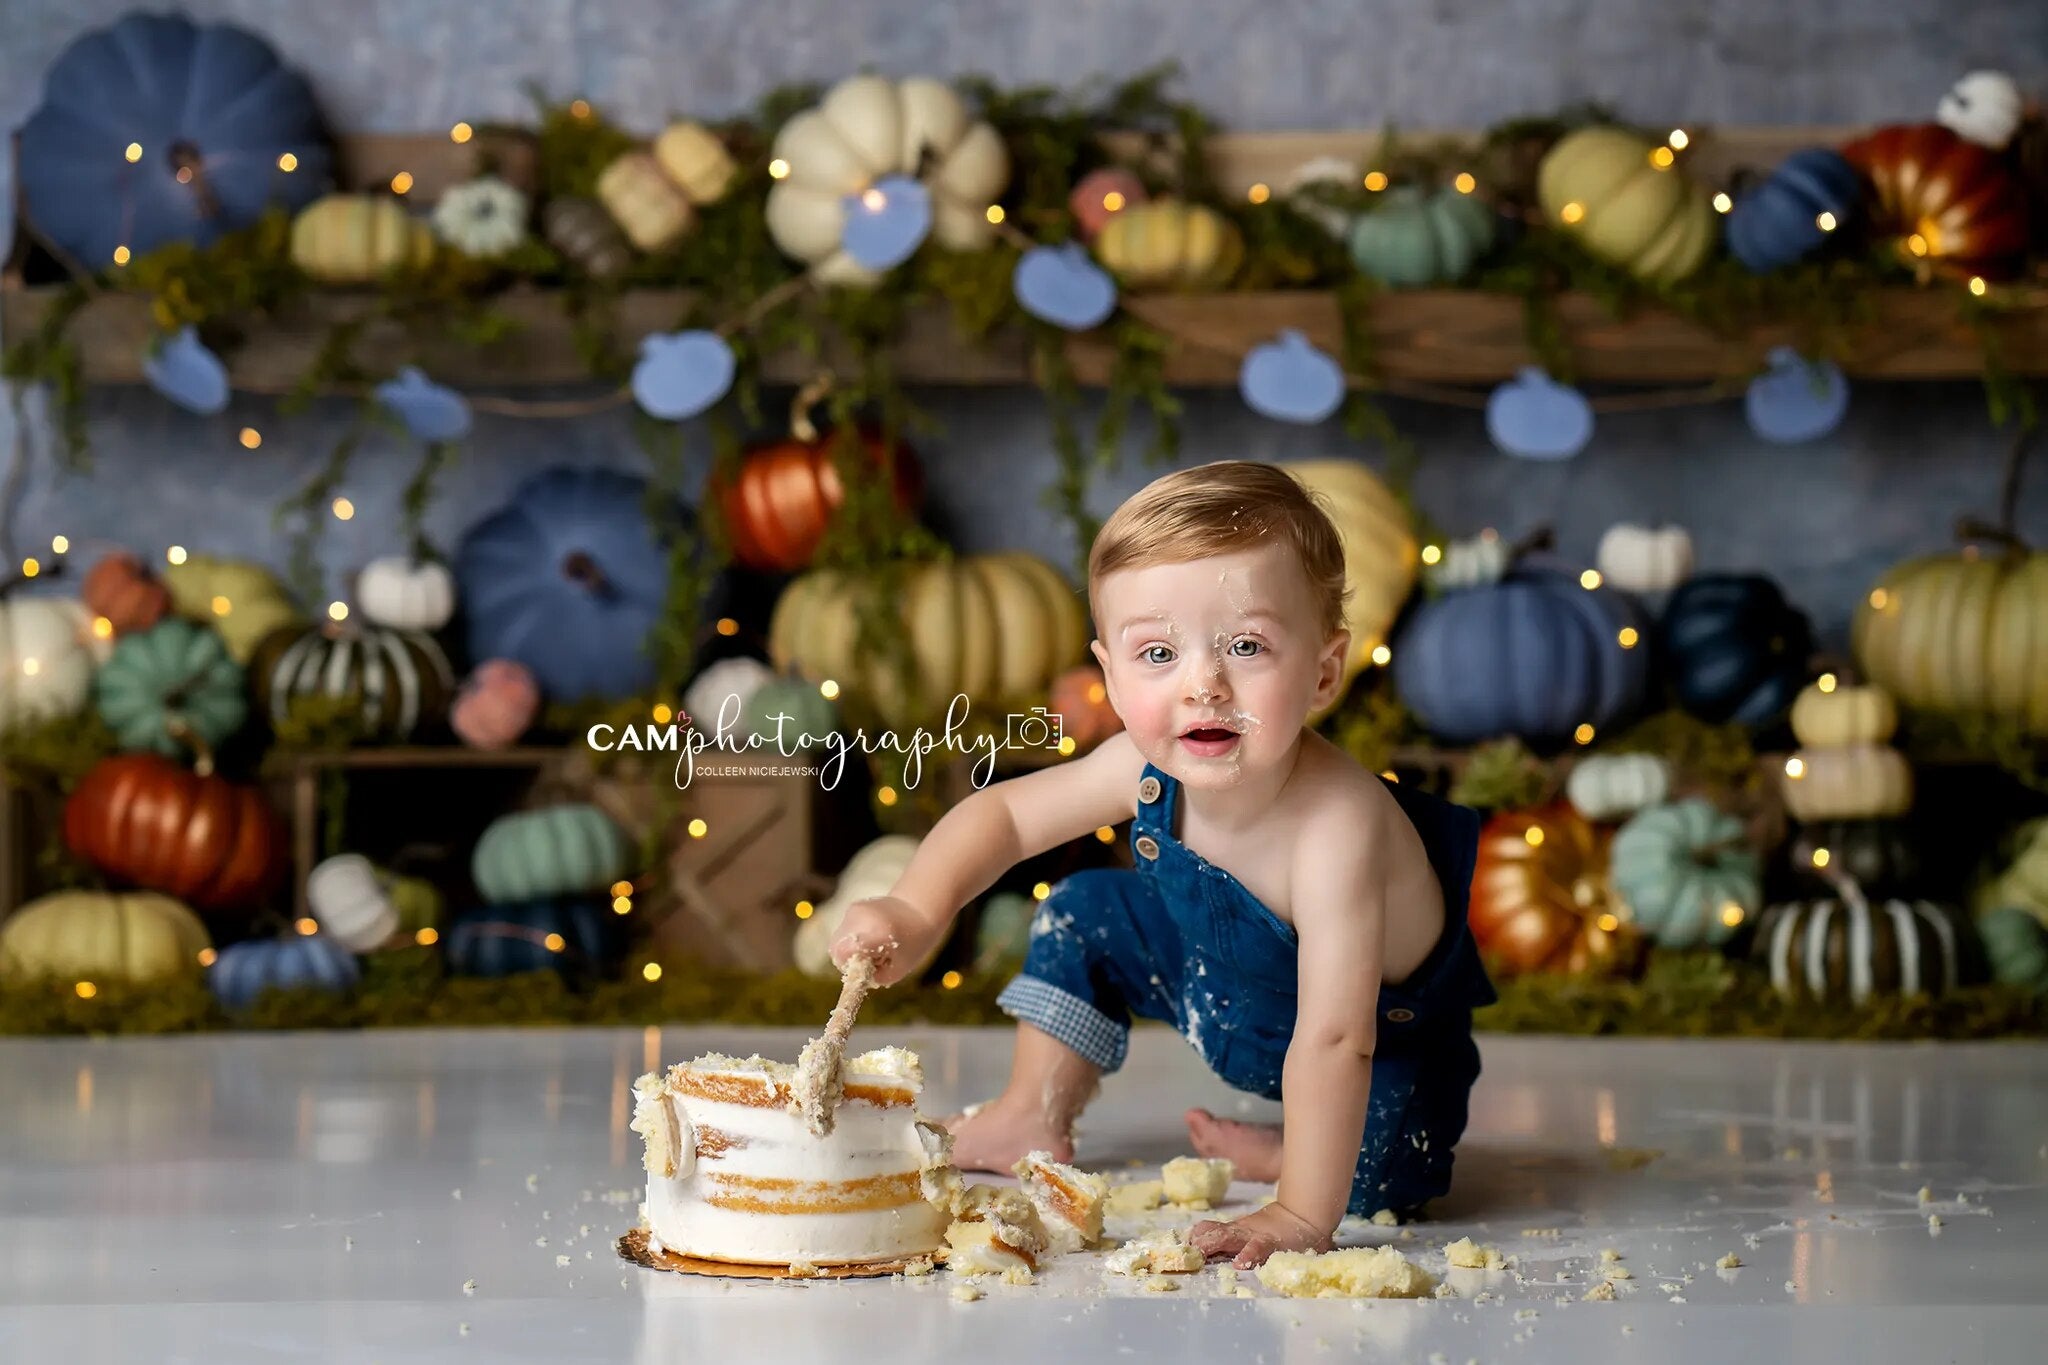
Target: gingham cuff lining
1098	1038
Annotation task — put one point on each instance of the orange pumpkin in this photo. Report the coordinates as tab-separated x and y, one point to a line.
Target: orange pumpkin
211	843
1951	202
128	595
1081	700
780	502
1541	900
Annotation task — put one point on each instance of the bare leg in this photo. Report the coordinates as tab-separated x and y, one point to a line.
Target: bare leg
1254	1148
1049	1085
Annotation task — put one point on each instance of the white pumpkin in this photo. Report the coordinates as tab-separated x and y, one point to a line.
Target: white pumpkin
708	693
1469	563
1609	787
1843	715
1321	170
351	903
483	218
1983	107
406	594
47	654
1856	782
1643	558
872	872
867	127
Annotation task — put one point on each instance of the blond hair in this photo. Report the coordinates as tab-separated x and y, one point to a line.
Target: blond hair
1217	509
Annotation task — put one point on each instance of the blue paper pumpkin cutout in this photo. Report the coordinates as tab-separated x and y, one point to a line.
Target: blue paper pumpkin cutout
1796	400
1536	418
1063	285
680	374
183	370
1806	200
887	222
430	411
1289	380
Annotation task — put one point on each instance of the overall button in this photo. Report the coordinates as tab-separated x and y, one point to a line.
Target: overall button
1148	790
1398	1015
1148	847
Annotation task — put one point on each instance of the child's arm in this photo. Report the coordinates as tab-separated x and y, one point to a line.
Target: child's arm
977	841
1338	898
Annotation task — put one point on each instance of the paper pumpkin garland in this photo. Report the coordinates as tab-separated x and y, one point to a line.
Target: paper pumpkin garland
1536	418
1290	380
1794	399
681	374
1063	286
431	412
184	370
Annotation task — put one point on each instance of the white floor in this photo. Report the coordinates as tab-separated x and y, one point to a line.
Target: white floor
325	1197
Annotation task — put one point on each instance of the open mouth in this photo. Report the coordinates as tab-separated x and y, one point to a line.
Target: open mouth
1209	741
1209	734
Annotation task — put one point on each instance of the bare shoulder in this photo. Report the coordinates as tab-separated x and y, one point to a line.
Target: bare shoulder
1336	803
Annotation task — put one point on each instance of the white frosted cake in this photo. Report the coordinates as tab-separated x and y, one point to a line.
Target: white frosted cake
734	1175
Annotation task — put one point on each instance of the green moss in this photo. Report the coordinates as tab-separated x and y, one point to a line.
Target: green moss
55	751
1718	755
1502	775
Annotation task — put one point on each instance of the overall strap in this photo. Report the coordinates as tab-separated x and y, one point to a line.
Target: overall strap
1155	817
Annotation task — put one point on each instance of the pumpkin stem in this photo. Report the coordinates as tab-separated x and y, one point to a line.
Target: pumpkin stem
581	569
809	396
178	728
2003	532
191	169
1542	538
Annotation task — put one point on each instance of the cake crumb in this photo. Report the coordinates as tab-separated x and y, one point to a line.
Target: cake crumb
802	1270
919	1266
1246	1292
1354	1272
1467	1255
1139	1196
1934	1222
966	1292
1069	1201
462	1329
455	1194
1194	1182
532	1182
1161	1284
561	1260
1729	1262
1019	1275
348	1244
540	1241
1618	1272
1547	1233
1386	1218
1165	1252
1602	1292
1608	1256
469	1288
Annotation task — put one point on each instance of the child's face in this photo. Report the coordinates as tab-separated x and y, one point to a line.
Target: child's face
1214	664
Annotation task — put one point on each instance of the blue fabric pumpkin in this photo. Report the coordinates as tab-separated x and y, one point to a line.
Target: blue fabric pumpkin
244	971
578	936
568	579
1734	648
211	102
1779	222
1534	655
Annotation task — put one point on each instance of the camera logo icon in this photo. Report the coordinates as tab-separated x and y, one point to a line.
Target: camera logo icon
1035	729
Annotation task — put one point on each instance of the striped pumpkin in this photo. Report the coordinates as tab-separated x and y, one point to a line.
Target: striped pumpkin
1849	949
401	677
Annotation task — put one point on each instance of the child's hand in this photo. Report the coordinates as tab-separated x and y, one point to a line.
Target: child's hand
1249	1240
893	932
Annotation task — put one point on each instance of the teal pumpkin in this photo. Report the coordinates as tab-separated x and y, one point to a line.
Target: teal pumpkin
1687	873
173	672
2016	946
1413	239
1004	933
560	851
808	711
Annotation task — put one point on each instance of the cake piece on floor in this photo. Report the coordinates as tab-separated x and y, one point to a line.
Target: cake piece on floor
1138	1196
1466	1254
997	1229
1068	1200
1195	1182
1165	1252
1353	1273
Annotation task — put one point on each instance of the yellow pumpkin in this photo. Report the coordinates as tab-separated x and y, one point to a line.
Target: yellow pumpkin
1627	202
692	156
358	238
98	937
874	871
1380	553
1961	633
640	199
241	600
1171	244
1858	782
1842	716
996	628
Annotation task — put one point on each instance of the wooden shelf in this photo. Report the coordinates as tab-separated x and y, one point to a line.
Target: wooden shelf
1437	336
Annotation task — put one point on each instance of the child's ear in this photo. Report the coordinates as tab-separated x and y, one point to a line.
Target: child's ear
1108	682
1330	670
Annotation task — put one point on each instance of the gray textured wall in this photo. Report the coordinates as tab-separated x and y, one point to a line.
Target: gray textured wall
1822	517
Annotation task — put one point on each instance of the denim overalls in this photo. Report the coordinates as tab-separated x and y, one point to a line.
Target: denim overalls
1181	940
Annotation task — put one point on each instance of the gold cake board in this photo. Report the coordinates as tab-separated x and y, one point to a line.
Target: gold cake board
635	1247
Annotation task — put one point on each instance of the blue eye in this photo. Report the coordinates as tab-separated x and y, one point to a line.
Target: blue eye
1256	648
1151	653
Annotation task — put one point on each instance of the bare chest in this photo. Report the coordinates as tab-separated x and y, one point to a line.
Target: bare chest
1260	860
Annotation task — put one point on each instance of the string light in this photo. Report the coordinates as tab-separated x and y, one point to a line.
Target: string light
175	555
1067	746
1098	693
1040	891
622	888
1584	734
337	611
1431	554
995	213
652	971
886	795
1533	836
401	183
1977	285
1795	768
804	909
1390	775
662	716
30	568
1825	221
1826	682
1382	656
121	255
951	981
828	689
1878	597
288	163
250	438
728	626
221	606
343	509
1590	579
1608	924
31	667
1106	835
1662	157
184	175
1375	181
134	152
698	829
1722	203
1113	202
86	990
1917	244
306	925
1678	138
1259	193
579	108
622	905
873	200
1464	184
1731	914
60	545
1627	638
102	628
778	169
1572	212
427	937
554	943
1821	857
207	957
460	133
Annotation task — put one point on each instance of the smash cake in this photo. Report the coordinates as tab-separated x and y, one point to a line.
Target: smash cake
735	1177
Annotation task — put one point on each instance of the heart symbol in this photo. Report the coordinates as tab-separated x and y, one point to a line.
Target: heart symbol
887	222
1289	380
430	411
1536	418
1795	399
183	370
681	374
1061	285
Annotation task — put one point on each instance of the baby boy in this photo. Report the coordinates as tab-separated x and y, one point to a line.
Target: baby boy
1299	919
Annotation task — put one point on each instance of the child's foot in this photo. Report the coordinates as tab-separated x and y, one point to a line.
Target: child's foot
1254	1148
1001	1133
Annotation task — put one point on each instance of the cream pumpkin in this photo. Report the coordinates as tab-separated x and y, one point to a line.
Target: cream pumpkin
872	872
48	649
650	209
358	239
1608	787
1859	782
1843	716
1380	553
1961	633
404	594
1168	244
693	157
996	628
99	937
868	127
1645	558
